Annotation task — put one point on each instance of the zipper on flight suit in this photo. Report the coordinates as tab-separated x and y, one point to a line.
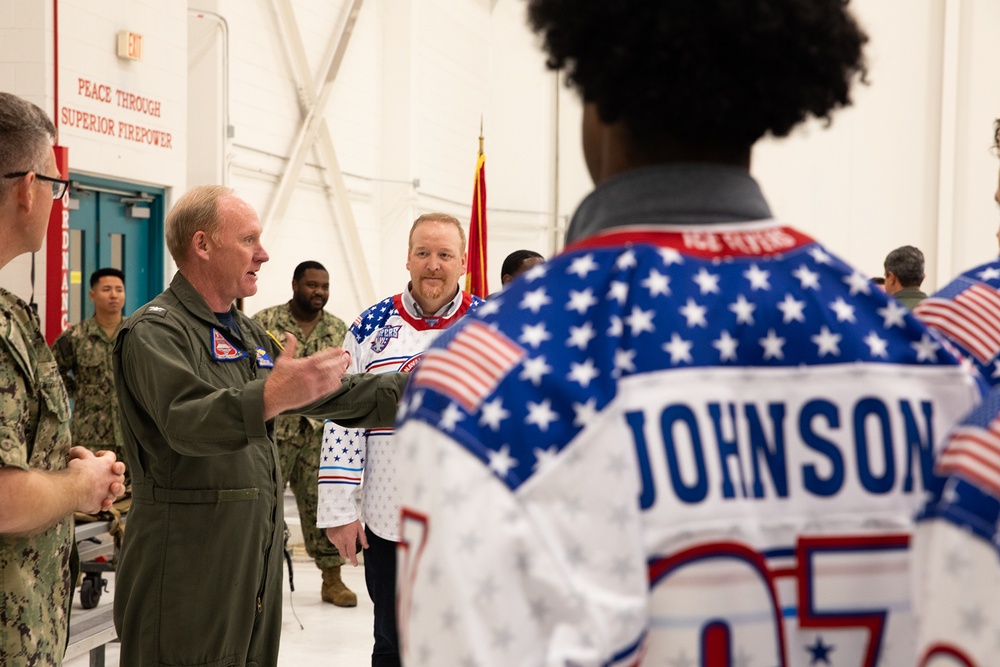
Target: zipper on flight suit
252	358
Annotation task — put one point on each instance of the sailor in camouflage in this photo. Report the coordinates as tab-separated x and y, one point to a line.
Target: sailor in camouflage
83	353
43	480
32	626
299	439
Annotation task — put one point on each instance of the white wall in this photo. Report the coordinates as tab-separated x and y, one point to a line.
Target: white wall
25	64
909	163
404	115
105	138
87	58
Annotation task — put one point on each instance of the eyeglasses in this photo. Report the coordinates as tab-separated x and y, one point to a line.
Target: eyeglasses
59	185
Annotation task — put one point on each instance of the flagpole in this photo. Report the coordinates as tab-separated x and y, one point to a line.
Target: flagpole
476	280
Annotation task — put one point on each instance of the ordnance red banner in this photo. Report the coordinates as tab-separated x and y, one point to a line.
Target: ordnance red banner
57	258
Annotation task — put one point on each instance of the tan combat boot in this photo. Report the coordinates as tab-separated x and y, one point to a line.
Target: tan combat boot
335	591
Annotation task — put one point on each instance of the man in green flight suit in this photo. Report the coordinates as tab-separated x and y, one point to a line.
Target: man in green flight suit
83	353
299	438
42	479
199	385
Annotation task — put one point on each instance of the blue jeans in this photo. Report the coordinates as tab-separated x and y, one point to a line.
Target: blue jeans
380	577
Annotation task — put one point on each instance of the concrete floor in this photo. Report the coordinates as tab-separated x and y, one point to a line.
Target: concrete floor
328	635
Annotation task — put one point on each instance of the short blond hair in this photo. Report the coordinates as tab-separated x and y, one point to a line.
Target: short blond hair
437	217
197	210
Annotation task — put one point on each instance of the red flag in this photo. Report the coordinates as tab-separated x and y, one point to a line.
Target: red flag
475	277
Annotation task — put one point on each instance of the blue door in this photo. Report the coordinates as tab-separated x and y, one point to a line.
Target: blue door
119	225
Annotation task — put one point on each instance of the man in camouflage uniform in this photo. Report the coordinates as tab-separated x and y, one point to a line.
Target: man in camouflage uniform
299	438
83	353
42	479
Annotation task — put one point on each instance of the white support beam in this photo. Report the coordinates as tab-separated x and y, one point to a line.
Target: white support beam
314	133
947	138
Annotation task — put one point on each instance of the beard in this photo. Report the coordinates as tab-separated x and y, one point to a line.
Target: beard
430	292
306	305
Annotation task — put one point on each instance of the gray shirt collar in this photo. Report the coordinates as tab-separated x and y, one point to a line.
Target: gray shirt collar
677	194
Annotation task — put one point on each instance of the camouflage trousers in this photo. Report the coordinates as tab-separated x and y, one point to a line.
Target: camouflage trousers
299	457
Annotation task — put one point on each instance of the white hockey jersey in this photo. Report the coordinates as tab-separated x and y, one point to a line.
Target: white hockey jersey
673	446
958	535
387	337
967	311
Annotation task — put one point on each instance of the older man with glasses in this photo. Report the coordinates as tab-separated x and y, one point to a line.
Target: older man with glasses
42	479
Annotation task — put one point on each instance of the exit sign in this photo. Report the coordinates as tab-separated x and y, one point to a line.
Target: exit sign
129	45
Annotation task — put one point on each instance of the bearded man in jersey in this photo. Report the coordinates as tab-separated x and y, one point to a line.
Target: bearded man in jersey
696	436
967	310
958	572
389	336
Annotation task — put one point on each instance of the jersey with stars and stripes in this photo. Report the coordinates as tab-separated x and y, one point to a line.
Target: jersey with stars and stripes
672	446
385	338
958	535
957	548
967	311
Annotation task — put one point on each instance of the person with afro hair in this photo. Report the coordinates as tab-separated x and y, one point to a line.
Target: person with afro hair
695	436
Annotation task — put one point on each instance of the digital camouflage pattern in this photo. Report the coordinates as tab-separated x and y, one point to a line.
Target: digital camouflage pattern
34	433
83	353
299	439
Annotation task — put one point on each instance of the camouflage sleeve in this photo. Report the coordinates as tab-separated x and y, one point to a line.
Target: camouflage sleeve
264	319
338	331
14	412
65	356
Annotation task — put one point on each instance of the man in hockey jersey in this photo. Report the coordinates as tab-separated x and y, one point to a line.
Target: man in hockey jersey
967	310
958	533
695	436
389	336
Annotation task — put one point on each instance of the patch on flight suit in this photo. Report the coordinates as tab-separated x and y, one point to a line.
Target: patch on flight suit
383	336
263	360
156	310
223	350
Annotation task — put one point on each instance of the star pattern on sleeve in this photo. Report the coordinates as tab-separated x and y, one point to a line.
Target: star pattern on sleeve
989	273
535	300
758	278
657	283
